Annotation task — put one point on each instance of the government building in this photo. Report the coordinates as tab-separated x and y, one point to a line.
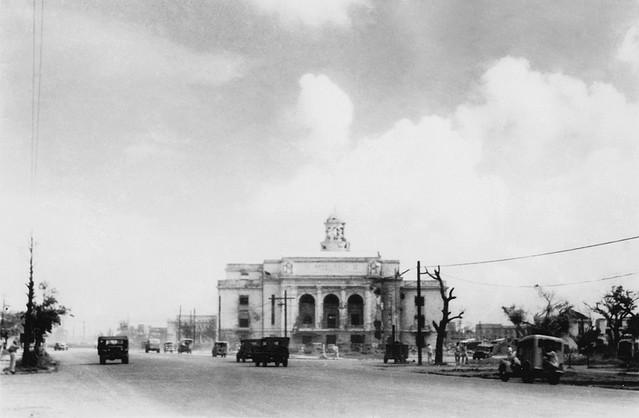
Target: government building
333	296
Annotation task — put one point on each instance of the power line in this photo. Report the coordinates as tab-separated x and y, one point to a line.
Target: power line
544	285
36	87
499	260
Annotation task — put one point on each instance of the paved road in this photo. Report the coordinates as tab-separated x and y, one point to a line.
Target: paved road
199	385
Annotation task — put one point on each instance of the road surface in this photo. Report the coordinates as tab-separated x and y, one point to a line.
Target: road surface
163	385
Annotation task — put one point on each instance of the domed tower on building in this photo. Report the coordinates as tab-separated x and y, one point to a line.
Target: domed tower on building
335	239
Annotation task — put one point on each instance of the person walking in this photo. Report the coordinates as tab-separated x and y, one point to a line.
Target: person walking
457	354
464	355
429	353
13	348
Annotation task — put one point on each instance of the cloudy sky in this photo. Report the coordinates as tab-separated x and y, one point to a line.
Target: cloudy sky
173	138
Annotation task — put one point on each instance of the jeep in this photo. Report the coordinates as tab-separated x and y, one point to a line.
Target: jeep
113	348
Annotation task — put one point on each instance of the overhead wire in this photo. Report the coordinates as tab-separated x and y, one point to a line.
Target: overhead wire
36	87
543	285
538	255
499	260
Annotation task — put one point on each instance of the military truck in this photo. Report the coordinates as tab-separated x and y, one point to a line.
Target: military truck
113	348
271	350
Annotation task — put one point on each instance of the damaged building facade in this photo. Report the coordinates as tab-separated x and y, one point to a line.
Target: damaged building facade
333	296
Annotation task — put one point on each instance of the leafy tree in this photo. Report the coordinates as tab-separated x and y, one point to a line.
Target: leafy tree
446	318
46	314
616	305
516	315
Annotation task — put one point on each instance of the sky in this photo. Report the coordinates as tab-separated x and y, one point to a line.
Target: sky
147	144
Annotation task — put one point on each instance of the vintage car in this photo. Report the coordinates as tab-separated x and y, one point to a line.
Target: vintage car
60	347
184	346
152	344
483	351
168	347
113	348
537	356
272	350
246	350
220	348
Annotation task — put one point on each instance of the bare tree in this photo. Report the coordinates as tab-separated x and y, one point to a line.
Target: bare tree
28	356
554	318
446	318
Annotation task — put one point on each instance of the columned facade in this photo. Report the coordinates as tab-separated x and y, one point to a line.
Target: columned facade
333	296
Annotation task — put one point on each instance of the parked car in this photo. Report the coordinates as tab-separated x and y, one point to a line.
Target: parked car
246	350
113	348
220	348
483	351
168	346
184	346
60	347
537	356
152	344
272	350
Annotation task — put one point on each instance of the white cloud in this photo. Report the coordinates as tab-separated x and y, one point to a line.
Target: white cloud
535	126
326	113
629	49
542	162
310	12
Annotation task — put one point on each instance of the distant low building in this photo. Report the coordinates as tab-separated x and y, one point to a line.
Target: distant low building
604	327
201	328
579	323
490	332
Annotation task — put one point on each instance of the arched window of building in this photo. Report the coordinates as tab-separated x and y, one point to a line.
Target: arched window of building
331	311
307	310
356	310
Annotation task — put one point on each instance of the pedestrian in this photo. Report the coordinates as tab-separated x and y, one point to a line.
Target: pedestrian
457	354
13	348
429	353
464	355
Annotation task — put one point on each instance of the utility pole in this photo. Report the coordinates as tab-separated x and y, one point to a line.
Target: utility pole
285	299
219	318
179	324
4	335
272	309
419	302
27	356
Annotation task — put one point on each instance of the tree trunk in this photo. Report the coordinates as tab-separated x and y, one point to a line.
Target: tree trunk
439	345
